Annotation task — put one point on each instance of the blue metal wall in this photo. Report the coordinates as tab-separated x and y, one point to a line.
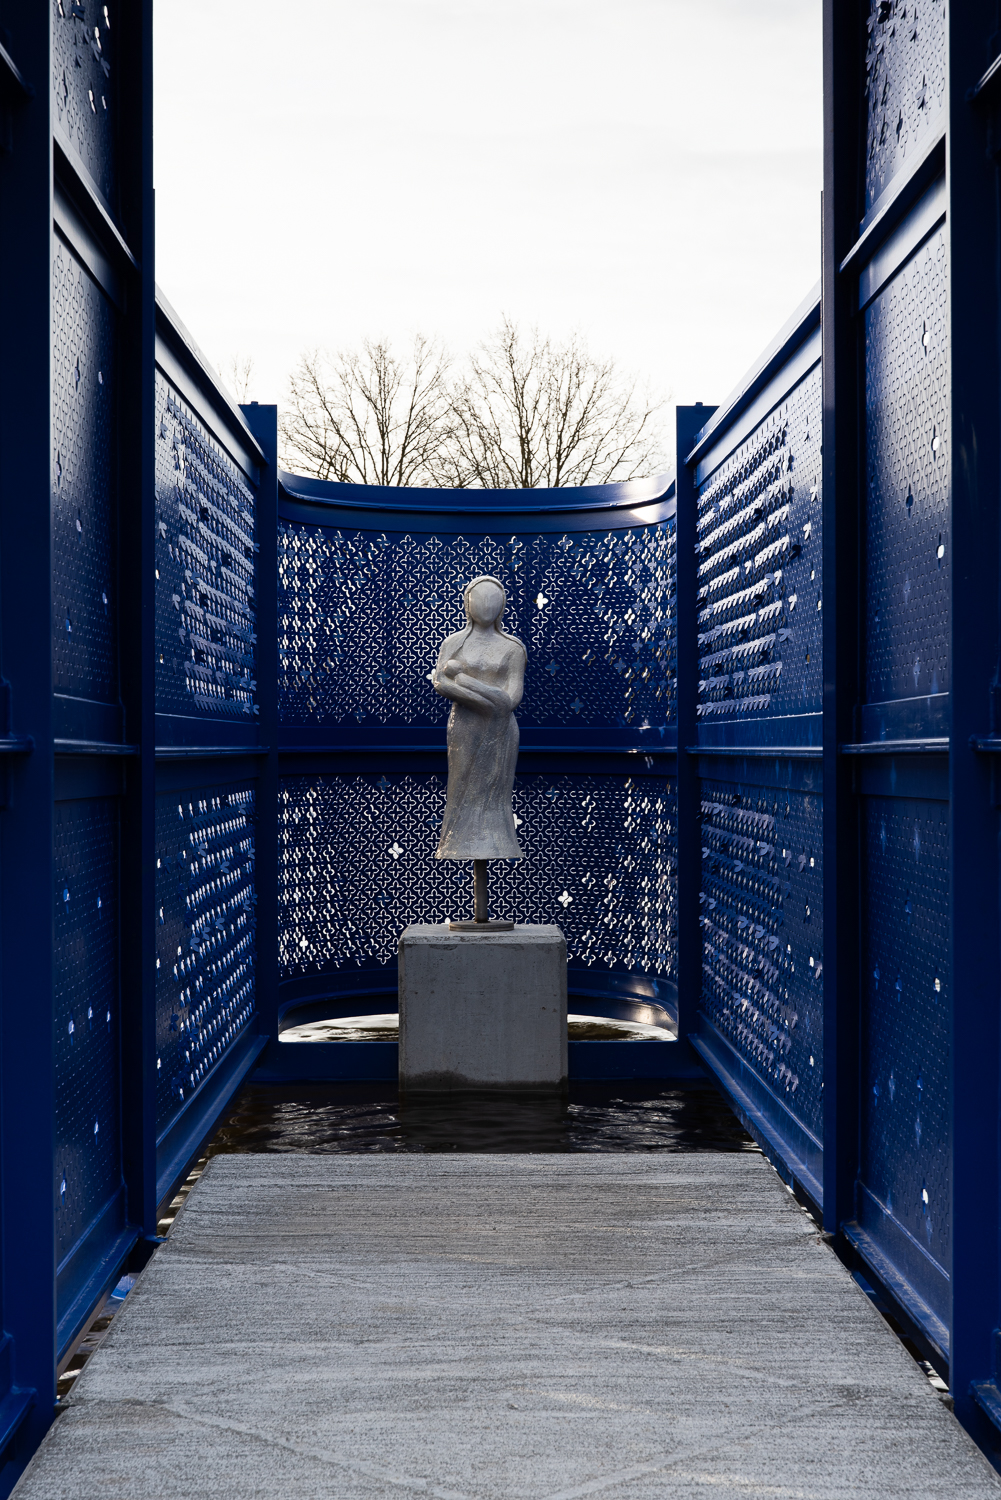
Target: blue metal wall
133	582
762	701
214	593
843	606
754	493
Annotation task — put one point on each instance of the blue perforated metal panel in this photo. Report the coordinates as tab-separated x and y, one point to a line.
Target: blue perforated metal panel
362	615
905	85
87	1167
908	556
84	85
206	926
205	609
763	934
761	679
906	1020
357	865
759	570
84	546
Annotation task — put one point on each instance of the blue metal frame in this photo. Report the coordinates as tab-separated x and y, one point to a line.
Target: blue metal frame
134	768
973	188
27	1095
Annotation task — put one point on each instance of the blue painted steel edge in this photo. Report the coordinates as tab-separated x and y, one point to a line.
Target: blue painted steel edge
14	1407
186	367
376	1062
899	1288
894	202
179	1145
804	321
627	494
794	1150
985	1392
910	234
469	520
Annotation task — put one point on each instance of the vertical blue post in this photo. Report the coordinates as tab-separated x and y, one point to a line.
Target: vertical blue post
690	419
27	1056
263	423
137	645
841	459
975	698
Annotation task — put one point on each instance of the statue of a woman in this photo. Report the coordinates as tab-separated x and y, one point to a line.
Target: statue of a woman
482	670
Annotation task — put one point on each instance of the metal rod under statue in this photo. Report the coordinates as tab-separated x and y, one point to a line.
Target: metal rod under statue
481	906
481	669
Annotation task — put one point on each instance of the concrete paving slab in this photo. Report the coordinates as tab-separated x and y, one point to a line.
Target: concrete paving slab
500	1328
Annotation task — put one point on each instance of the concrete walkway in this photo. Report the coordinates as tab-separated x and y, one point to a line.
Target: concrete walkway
518	1327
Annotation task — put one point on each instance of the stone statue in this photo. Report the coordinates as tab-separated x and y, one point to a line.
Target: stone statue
482	670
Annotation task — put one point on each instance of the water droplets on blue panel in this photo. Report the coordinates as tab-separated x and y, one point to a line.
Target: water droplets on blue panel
205	935
905	86
906	1019
357	865
758	560
908	559
87	1166
362	615
84	544
206	613
84	85
759	570
762	934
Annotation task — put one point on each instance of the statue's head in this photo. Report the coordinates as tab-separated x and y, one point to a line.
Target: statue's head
484	598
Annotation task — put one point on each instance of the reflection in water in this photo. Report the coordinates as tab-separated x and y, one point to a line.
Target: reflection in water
361	1117
386	1028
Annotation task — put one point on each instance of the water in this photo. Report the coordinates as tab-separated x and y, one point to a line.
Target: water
385	1027
364	1117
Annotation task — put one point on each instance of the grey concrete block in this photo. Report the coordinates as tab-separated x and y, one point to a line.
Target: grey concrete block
483	1010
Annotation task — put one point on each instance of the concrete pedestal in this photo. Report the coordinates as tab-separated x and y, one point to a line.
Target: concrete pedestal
483	1010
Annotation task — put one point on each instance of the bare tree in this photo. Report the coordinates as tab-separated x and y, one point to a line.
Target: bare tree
238	374
368	416
531	413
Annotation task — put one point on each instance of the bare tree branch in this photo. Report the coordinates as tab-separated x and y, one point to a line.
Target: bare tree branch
527	413
531	413
238	375
368	417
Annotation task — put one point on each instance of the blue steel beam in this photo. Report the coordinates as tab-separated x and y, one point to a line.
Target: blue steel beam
27	1093
972	179
263	423
137	621
690	420
841	459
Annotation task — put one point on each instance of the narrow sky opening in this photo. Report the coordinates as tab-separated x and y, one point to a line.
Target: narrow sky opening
645	171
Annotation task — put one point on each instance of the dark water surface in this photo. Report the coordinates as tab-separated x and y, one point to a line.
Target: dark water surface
358	1117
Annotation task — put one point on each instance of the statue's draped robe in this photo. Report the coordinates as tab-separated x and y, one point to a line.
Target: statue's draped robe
482	754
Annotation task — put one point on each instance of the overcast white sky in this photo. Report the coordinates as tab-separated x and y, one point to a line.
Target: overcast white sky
647	171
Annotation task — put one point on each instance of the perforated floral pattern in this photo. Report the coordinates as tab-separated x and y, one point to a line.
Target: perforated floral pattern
357	865
362	615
